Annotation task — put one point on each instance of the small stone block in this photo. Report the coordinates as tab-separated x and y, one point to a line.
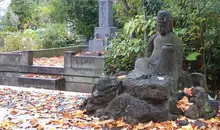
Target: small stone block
27	58
68	58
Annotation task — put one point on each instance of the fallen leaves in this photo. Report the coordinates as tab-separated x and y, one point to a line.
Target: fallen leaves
13	112
59	111
49	61
34	121
43	76
35	109
188	91
88	53
6	125
167	125
59	60
184	104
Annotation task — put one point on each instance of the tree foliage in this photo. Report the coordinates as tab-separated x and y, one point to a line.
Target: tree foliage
124	10
200	19
25	10
84	13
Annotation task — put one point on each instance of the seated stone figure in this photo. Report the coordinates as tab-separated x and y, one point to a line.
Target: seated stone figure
165	38
145	93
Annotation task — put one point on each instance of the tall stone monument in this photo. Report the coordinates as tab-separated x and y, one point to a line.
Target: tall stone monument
104	32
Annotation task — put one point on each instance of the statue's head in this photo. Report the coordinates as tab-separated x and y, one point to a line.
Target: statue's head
164	22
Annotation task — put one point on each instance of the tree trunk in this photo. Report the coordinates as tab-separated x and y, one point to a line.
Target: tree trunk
125	4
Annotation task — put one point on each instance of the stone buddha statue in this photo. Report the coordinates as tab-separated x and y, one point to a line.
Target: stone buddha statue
164	38
146	93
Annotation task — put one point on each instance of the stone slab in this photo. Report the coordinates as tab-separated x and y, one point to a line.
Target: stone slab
97	45
88	62
10	58
86	72
95	73
9	81
79	79
1	74
32	69
54	84
95	80
78	87
11	75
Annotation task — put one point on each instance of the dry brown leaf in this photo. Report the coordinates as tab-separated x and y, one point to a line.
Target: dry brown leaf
34	121
160	126
149	124
13	112
40	127
106	121
78	113
80	125
184	104
66	115
188	91
120	122
187	127
60	122
5	124
140	126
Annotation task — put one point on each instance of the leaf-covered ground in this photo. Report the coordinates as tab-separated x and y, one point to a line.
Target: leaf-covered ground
31	75
52	110
59	60
49	61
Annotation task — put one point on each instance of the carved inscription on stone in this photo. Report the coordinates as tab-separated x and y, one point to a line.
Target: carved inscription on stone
103	13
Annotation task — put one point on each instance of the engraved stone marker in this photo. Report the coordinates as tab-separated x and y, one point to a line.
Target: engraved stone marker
105	29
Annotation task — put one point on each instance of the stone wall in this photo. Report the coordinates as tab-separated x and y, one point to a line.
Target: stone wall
79	72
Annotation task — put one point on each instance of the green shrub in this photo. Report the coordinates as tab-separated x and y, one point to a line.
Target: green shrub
13	42
17	41
122	55
54	36
125	50
10	29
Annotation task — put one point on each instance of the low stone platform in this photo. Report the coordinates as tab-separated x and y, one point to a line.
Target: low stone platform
79	72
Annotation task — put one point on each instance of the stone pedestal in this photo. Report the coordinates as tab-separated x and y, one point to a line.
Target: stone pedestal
102	32
96	45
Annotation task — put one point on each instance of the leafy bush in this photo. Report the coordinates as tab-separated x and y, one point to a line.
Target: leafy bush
122	55
124	51
18	41
54	36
